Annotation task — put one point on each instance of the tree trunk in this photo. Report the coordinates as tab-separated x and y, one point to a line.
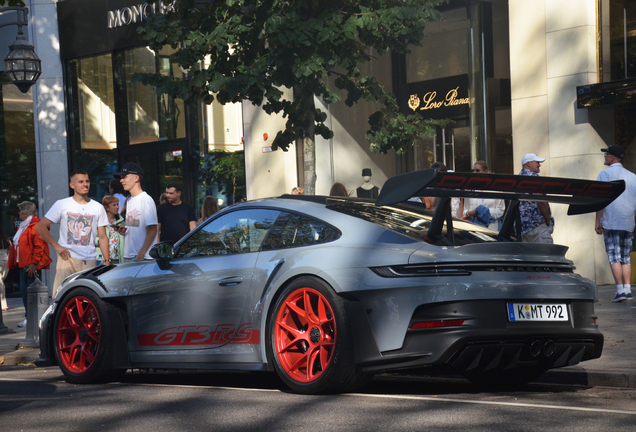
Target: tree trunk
309	141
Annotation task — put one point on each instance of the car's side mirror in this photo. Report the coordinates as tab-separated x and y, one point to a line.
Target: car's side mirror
162	251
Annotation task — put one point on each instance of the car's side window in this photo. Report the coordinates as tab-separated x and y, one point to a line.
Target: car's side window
240	231
294	230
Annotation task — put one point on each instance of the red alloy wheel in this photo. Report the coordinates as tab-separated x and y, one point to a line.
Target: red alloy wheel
305	335
78	335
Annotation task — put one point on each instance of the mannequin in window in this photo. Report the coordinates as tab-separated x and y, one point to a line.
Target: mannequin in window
367	190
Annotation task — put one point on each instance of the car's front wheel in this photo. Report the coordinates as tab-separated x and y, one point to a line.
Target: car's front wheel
83	338
310	340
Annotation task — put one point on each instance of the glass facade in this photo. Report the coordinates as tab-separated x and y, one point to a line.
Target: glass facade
444	50
617	63
114	120
18	172
618	49
460	73
151	117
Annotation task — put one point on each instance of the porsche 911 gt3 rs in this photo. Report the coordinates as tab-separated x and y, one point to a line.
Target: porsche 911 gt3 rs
328	291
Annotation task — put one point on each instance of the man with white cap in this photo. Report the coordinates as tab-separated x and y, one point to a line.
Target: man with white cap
616	222
537	223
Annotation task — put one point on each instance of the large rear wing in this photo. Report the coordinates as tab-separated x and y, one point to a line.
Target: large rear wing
583	196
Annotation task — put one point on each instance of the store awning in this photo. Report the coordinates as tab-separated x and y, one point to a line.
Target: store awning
610	93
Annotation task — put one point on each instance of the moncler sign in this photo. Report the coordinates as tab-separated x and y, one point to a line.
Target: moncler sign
137	13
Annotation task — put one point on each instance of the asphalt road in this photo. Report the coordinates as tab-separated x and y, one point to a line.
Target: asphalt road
40	400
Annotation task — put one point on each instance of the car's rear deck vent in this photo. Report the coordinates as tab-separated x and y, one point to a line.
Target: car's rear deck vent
456	269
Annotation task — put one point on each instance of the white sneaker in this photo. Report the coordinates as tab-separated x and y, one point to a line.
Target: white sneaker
22	324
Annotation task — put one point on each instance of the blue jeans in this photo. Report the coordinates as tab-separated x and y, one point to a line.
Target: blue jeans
25	282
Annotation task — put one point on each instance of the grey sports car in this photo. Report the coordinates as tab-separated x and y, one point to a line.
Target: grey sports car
328	291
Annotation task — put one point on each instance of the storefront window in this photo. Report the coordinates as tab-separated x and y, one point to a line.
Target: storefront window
152	117
617	47
93	123
96	103
444	50
461	72
18	179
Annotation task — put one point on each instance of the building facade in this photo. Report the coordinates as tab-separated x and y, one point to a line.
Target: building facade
550	77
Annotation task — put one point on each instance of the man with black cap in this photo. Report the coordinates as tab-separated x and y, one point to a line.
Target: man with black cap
616	221
141	215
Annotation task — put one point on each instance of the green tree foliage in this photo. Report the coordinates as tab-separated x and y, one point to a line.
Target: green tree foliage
227	170
12	3
255	48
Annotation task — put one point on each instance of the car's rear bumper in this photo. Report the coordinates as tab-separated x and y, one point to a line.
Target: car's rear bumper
486	341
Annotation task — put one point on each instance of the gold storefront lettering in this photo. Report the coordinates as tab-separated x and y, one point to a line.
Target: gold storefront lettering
428	101
451	98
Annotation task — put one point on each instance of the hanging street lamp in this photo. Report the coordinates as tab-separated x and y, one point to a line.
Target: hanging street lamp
22	65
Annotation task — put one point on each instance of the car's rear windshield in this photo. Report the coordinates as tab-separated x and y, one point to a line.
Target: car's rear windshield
412	220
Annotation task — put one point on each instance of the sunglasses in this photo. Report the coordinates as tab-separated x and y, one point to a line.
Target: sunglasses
476	170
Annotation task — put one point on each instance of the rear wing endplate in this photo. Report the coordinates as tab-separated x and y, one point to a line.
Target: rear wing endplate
583	196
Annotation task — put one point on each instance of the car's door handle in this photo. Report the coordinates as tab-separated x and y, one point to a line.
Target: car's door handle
234	280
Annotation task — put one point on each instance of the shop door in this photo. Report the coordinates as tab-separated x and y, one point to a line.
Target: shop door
161	166
452	148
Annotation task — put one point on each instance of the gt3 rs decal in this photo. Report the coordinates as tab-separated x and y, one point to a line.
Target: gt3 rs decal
202	335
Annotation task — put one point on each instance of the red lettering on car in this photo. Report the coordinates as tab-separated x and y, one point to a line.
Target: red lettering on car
201	335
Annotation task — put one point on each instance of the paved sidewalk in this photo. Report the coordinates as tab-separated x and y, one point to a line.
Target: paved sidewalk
617	365
10	341
615	368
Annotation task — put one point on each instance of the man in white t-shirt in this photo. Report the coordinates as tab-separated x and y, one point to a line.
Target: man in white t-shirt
80	219
141	215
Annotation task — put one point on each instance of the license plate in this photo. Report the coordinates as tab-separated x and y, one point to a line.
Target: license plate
537	312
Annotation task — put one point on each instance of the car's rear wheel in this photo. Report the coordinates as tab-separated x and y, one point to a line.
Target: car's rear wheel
310	340
83	339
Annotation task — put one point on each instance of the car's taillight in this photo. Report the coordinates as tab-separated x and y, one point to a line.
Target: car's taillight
439	323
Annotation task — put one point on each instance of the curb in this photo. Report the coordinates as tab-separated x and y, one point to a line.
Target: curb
619	379
580	377
25	356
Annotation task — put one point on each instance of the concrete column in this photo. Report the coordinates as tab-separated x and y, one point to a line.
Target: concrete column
49	114
553	50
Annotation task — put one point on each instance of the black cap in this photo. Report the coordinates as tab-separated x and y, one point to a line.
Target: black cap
366	172
130	168
615	150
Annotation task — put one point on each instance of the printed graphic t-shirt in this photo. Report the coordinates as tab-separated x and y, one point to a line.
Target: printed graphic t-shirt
140	213
78	225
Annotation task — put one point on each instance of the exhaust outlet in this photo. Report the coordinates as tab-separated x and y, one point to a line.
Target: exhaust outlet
535	348
548	348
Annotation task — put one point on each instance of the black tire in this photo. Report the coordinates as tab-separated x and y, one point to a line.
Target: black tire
510	379
333	369
83	338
